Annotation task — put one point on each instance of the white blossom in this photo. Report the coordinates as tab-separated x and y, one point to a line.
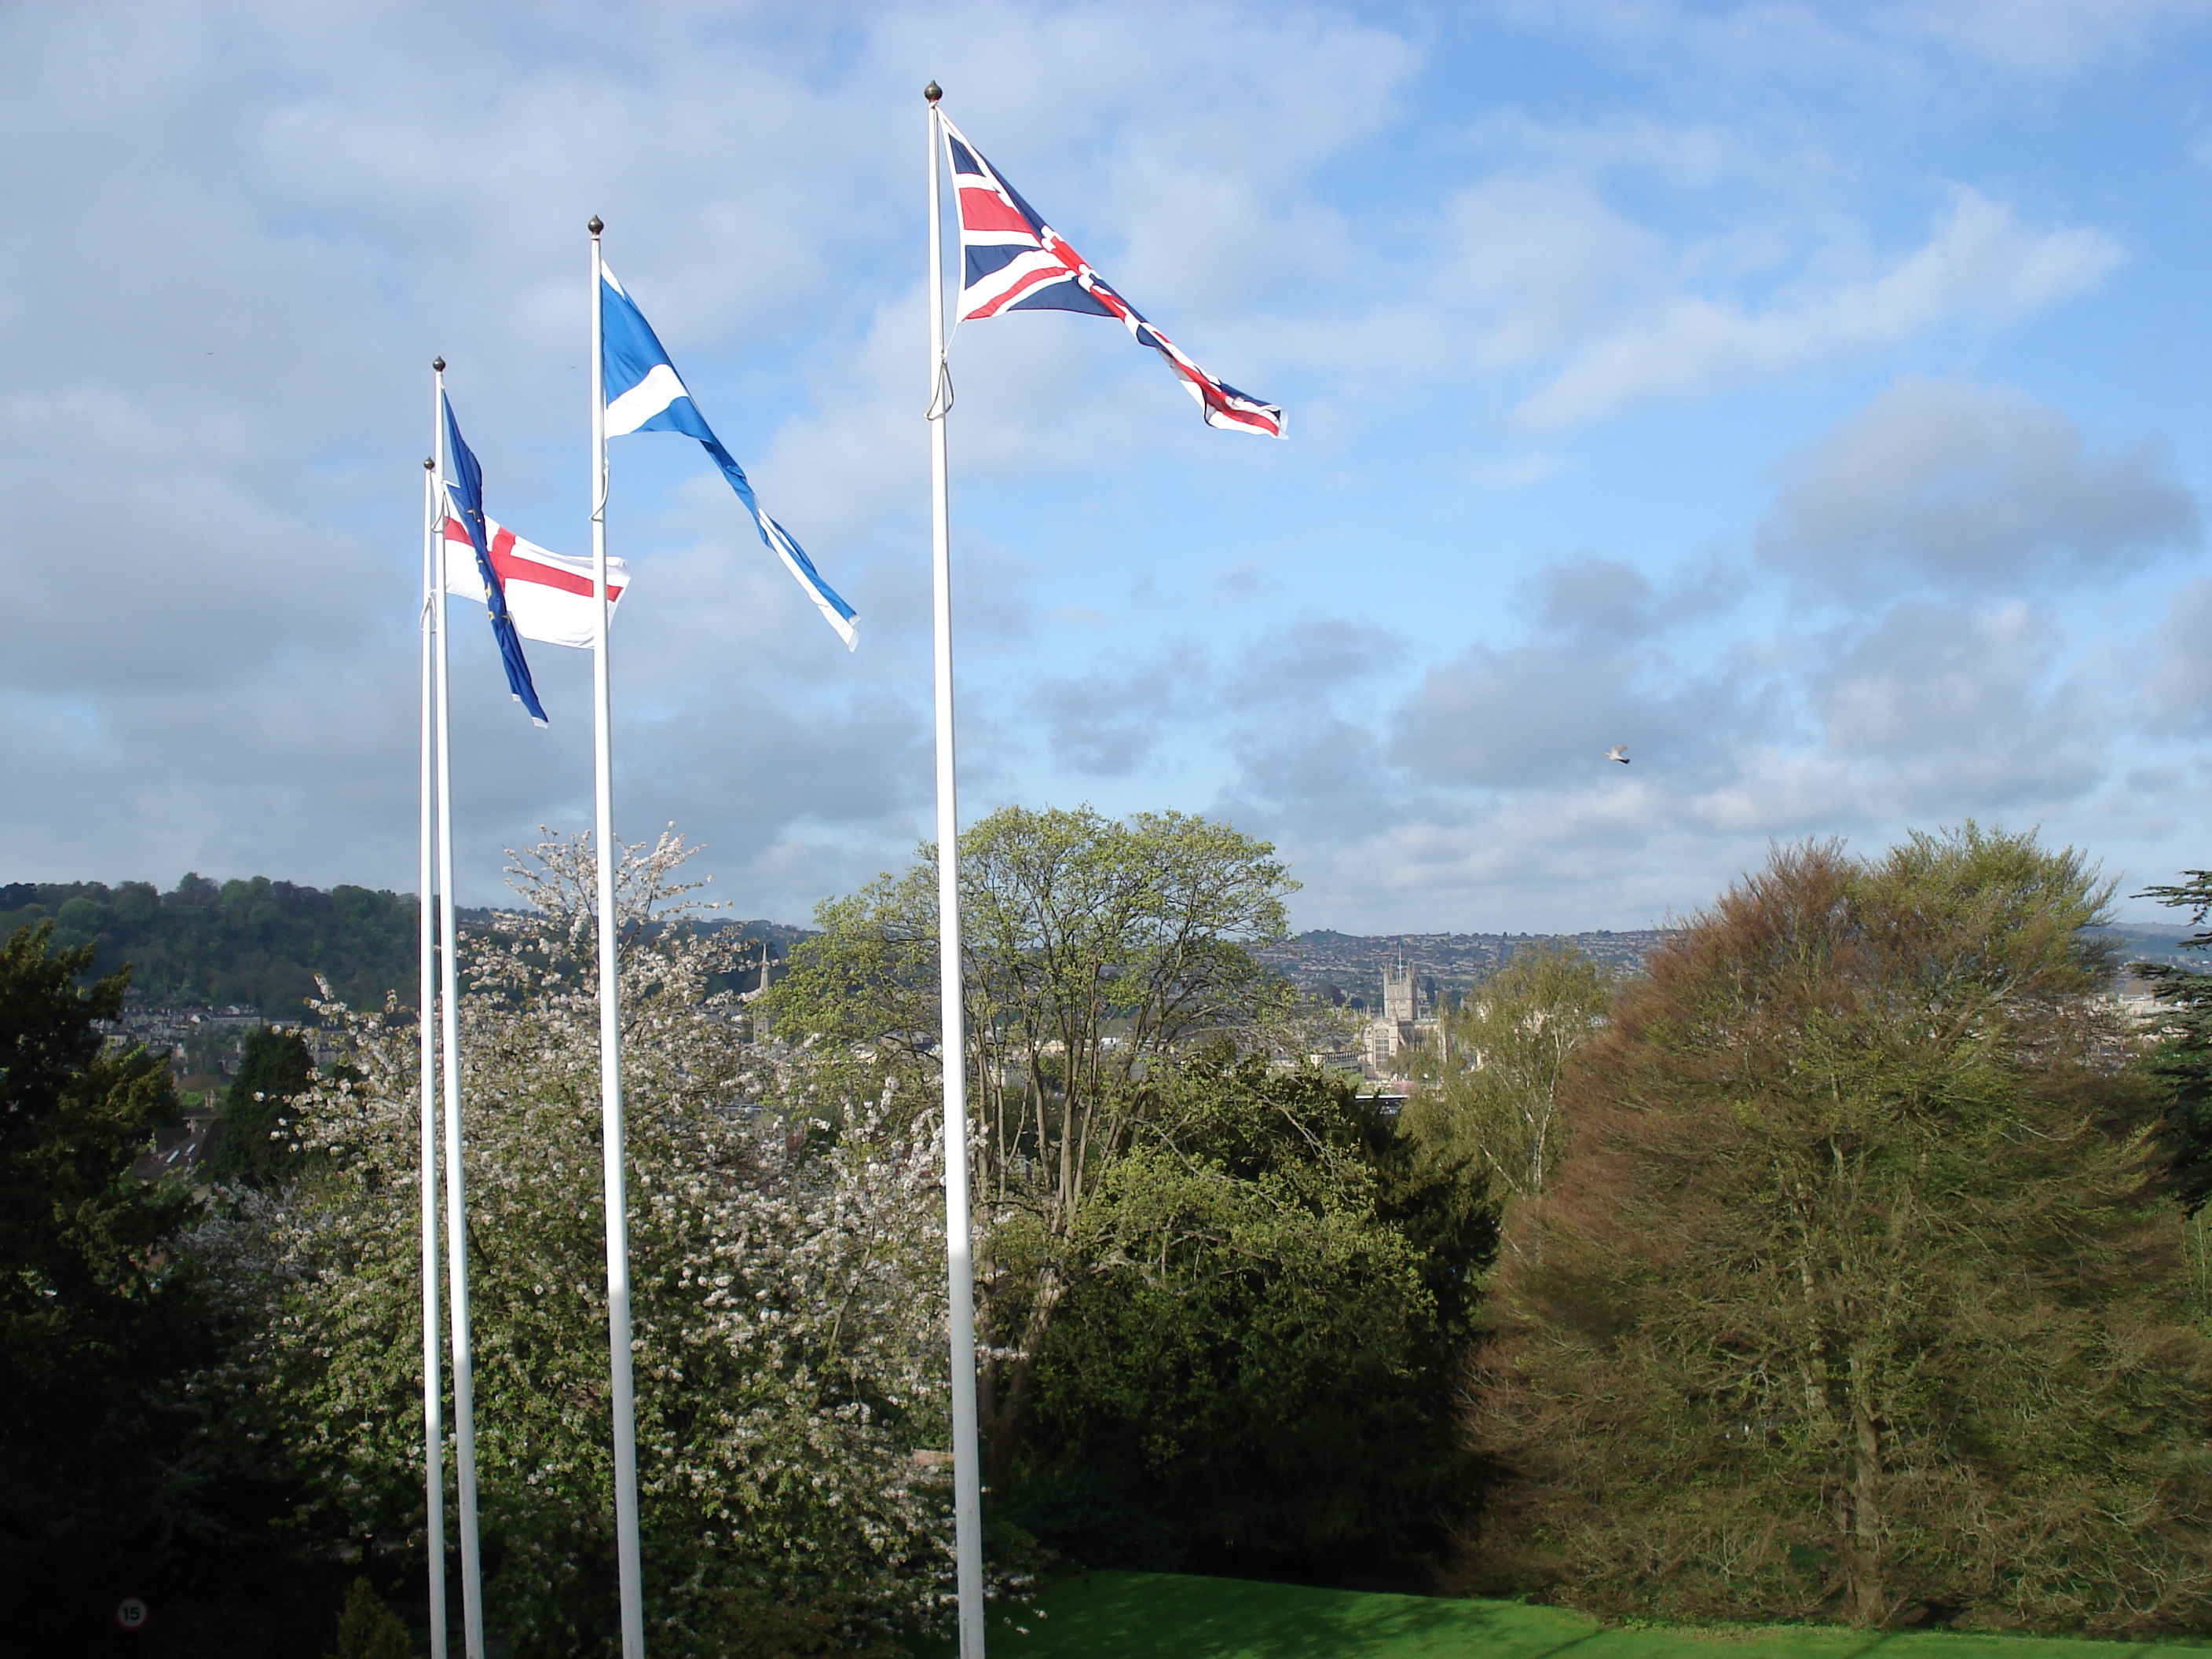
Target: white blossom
788	1327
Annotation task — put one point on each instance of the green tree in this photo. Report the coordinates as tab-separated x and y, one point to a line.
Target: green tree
1092	949
261	942
93	1306
1855	1294
787	1323
368	1629
1490	1088
119	1476
2180	1061
1259	1371
254	1144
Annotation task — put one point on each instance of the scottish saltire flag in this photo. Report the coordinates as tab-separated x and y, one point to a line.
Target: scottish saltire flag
550	595
464	496
1013	261
644	394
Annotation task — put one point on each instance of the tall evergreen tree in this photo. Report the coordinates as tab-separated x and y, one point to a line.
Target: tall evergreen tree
2181	1061
275	1069
96	1313
1858	1293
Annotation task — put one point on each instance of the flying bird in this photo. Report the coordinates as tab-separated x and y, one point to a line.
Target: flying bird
1619	752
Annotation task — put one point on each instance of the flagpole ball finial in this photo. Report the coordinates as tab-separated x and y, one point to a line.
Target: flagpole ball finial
932	92
595	226
430	464
438	364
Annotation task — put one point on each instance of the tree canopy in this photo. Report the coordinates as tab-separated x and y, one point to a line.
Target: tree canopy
787	1318
1491	1081
260	942
1093	950
93	1309
118	1474
275	1069
1855	1294
2180	1061
1257	1369
1837	1267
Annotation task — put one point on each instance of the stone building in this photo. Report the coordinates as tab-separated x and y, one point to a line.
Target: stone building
1408	1019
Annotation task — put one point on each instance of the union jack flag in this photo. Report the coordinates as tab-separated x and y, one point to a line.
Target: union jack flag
1013	261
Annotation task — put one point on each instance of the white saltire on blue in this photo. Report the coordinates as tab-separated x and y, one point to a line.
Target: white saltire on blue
645	394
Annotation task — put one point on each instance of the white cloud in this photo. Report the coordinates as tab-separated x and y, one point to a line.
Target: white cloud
2044	37
1114	717
2181	681
1600	599
1549	259
1542	712
1902	45
1746	722
1980	266
239	231
254	226
1966	485
1961	709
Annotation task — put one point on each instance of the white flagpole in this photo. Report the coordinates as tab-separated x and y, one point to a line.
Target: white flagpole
959	1268
426	1004
457	1257
629	1567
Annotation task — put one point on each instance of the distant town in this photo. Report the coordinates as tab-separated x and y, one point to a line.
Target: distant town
1348	968
260	946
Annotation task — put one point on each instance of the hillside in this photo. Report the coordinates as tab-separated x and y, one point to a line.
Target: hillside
256	943
260	943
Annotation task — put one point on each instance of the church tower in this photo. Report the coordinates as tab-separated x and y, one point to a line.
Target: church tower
1400	996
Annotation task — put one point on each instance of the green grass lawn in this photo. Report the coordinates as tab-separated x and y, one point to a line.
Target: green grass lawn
1135	1615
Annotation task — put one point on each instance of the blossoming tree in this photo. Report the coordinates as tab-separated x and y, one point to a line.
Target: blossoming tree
788	1323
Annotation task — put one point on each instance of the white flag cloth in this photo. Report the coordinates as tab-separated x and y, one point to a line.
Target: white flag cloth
549	595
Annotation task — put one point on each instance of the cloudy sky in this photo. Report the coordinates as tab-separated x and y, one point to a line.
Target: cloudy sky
1812	399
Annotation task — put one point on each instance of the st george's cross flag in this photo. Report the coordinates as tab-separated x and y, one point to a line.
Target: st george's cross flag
465	503
549	595
645	394
1012	260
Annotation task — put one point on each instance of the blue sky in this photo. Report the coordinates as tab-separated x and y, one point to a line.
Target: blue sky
1809	398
